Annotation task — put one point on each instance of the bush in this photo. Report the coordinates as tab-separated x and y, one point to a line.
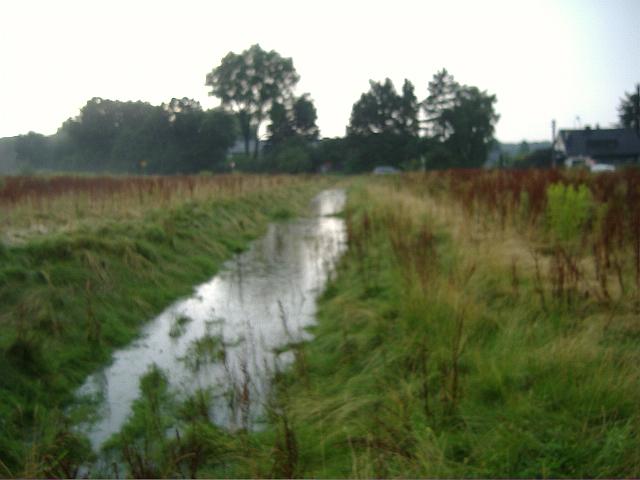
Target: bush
246	163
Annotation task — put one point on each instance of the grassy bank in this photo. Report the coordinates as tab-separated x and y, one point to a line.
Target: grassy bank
440	352
86	282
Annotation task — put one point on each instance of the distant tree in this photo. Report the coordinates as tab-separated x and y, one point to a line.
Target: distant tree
33	151
179	106
305	117
136	137
295	121
471	122
460	121
250	83
383	127
8	160
409	109
218	132
442	96
281	126
383	110
93	131
106	135
537	159
291	158
290	135
185	117
200	139
629	109
524	148
333	154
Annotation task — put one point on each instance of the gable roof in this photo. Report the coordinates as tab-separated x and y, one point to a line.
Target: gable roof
618	142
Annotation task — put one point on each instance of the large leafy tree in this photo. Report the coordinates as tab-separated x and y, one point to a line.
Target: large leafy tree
629	109
249	83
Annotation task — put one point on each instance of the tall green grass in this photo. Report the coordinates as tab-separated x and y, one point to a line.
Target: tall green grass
431	362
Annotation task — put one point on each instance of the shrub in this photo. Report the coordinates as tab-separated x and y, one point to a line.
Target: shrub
569	210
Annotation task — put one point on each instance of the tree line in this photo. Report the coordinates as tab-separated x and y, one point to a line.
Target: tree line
451	127
134	137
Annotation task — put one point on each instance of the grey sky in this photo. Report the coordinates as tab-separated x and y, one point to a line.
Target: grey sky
543	59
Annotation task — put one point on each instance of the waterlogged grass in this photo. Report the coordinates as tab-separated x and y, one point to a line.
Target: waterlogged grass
166	436
203	351
179	326
70	298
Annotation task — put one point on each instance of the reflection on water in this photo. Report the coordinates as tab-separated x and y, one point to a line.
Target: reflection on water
260	301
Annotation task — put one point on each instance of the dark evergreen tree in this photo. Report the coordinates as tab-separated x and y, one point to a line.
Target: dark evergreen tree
629	109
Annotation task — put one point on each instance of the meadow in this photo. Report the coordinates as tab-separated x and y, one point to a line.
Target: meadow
481	324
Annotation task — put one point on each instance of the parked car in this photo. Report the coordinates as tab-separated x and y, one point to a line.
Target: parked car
385	170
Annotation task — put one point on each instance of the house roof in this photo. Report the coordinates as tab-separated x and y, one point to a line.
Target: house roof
619	142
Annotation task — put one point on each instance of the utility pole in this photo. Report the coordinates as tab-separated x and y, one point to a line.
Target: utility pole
553	143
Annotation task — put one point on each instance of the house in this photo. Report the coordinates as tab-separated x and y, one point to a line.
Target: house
617	146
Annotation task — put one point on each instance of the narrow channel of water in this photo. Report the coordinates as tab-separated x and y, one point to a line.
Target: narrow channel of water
261	301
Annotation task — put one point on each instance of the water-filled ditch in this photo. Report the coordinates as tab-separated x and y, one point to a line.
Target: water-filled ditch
232	333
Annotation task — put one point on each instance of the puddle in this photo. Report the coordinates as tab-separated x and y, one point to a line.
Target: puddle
260	302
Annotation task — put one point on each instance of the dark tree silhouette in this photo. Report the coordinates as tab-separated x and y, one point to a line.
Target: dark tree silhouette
297	121
460	122
629	109
383	110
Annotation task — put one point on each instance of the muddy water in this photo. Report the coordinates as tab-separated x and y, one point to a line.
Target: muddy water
259	303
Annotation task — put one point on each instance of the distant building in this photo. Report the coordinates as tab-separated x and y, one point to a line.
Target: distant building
238	147
617	146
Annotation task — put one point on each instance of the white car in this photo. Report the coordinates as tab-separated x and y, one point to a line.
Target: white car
579	162
602	167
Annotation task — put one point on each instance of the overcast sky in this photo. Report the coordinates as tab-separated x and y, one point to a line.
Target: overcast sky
543	59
